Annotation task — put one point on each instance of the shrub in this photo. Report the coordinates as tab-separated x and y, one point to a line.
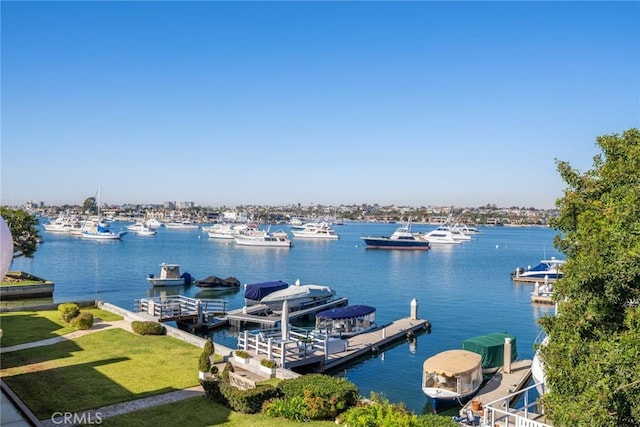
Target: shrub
148	328
268	363
68	311
248	401
204	364
208	347
212	391
82	321
225	372
214	370
324	396
242	353
291	409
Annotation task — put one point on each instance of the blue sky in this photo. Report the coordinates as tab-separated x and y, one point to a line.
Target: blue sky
226	103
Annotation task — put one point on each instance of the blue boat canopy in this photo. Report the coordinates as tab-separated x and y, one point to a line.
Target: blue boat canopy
257	291
348	312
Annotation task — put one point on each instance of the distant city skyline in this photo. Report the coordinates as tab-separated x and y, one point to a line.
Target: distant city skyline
279	103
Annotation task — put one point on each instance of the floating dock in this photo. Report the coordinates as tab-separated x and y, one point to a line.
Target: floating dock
197	312
300	350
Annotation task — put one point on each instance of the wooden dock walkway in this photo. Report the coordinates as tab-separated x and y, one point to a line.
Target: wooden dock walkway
323	354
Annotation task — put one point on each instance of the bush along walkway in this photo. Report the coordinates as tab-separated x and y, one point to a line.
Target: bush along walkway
94	416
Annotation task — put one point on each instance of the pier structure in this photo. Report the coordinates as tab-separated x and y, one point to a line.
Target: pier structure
197	311
296	347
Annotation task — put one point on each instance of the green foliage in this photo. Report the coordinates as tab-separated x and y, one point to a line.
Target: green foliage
82	321
380	413
204	363
212	391
24	233
324	396
148	328
68	311
591	362
248	401
209	347
241	353
228	367
268	363
294	408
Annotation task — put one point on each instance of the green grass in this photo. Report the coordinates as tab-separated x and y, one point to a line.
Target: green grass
98	369
27	326
200	412
23	283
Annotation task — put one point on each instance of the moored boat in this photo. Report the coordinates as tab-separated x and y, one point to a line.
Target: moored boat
170	276
345	322
491	347
315	230
215	283
254	292
264	239
548	270
402	238
451	378
298	296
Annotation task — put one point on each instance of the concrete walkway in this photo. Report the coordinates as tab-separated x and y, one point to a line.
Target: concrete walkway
12	412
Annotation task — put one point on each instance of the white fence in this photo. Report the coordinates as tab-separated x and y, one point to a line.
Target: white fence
499	412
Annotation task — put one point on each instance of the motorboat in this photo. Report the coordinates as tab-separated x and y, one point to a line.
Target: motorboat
170	276
141	229
214	283
298	296
265	239
537	367
182	225
314	230
491	347
153	223
440	236
548	270
226	231
451	378
254	292
65	225
346	322
402	238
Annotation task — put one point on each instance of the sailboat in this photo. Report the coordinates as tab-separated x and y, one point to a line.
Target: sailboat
97	229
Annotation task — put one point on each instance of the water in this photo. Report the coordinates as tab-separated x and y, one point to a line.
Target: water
464	290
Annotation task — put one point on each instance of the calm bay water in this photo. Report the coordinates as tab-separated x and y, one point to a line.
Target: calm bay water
464	290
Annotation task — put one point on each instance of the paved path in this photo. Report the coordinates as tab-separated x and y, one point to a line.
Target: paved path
91	416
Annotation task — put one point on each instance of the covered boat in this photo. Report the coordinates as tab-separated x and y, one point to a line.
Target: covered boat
298	296
451	378
253	293
170	276
491	348
216	283
347	321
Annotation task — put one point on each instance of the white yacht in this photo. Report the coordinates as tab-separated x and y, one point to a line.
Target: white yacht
314	230
265	239
298	296
440	237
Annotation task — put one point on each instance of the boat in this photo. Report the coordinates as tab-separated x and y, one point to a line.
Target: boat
548	271
153	223
314	230
226	231
491	348
298	296
182	225
451	378
346	322
64	225
170	276
402	238
215	283
97	229
537	366
254	292
141	229
265	239
440	237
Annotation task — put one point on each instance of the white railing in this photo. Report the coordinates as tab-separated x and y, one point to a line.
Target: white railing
178	305
270	342
500	410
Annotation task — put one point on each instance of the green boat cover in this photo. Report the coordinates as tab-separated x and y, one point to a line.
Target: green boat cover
491	348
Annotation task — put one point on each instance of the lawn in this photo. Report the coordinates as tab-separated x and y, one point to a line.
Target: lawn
27	326
200	412
98	369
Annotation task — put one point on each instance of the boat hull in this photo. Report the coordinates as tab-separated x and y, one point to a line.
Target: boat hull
441	402
166	282
377	243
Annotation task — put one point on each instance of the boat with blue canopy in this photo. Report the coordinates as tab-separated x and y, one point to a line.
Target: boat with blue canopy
346	322
253	293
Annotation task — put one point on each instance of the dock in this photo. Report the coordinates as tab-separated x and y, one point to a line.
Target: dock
499	393
259	314
303	350
197	312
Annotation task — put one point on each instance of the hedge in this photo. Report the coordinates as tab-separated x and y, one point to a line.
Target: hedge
68	311
148	328
82	321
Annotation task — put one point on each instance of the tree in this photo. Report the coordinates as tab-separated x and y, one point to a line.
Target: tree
89	205
592	361
23	231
